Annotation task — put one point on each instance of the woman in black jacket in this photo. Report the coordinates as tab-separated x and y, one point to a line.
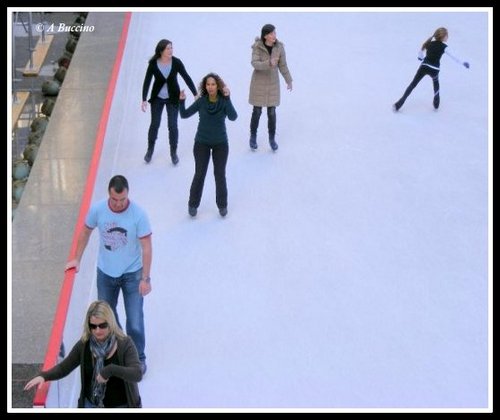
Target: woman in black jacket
165	93
108	360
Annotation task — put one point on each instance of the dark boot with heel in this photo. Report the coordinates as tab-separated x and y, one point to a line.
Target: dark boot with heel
435	101
253	141
272	143
254	125
149	153
271	127
173	155
397	105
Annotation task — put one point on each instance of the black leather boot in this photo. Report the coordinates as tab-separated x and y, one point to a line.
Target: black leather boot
173	155
435	101
253	141
398	105
254	124
149	153
271	126
272	143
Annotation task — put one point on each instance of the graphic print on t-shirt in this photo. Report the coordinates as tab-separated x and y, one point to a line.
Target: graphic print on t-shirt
114	237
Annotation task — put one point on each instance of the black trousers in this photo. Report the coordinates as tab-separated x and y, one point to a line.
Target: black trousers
421	73
157	106
202	154
271	120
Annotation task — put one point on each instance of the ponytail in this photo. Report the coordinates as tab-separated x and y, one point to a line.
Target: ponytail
426	44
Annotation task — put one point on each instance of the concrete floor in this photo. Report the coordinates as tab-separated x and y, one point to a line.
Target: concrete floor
45	218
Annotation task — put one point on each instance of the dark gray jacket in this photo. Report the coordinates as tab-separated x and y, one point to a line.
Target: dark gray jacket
128	369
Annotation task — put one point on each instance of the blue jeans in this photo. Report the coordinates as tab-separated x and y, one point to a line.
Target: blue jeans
108	289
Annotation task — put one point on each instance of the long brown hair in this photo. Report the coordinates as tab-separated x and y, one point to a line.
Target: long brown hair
439	35
160	47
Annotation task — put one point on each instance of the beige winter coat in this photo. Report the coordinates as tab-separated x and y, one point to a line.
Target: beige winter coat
265	84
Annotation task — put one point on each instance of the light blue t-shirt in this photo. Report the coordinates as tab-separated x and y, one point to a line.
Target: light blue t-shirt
120	249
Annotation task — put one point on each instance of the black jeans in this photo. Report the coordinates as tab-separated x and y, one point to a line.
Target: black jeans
157	106
201	154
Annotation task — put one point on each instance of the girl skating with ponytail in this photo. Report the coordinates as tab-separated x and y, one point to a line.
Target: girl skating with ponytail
434	48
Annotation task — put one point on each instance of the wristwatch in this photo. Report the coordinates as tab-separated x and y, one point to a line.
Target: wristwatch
147	279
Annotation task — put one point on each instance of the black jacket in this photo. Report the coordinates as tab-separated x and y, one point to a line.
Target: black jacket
171	81
434	53
128	369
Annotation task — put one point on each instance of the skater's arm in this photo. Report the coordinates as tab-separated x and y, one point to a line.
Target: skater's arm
230	111
147	83
193	109
189	82
147	257
83	240
456	59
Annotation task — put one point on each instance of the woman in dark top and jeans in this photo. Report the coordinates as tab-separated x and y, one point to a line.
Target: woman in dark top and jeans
108	360
434	47
213	106
165	93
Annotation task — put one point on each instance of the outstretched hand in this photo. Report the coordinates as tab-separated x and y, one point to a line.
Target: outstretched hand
72	264
37	381
225	91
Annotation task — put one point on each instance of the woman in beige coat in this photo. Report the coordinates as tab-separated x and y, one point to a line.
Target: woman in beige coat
268	56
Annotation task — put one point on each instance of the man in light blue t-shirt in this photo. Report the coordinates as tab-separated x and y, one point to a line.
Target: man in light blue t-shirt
125	255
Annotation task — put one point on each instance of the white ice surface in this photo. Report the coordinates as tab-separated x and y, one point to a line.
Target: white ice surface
351	270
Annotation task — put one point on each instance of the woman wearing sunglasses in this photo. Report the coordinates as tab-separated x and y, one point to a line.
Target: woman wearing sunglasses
108	360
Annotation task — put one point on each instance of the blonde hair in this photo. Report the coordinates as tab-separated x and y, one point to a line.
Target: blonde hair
101	309
439	35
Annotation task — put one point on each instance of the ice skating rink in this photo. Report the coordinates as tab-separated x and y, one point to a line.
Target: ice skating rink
352	269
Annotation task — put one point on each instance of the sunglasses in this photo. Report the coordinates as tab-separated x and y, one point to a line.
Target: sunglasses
101	326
